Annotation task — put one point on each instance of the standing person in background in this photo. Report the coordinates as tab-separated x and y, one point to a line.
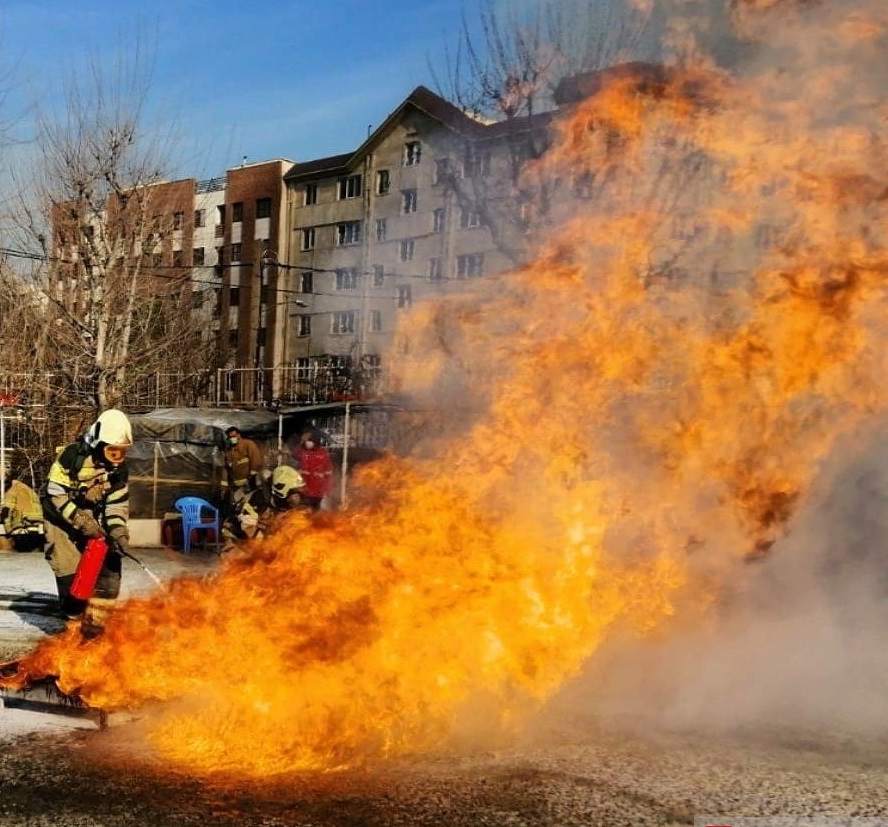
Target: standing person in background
86	495
314	463
243	465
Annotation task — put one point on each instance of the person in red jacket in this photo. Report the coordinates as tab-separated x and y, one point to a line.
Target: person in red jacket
314	463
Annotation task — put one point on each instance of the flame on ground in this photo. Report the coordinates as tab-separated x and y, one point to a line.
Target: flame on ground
651	398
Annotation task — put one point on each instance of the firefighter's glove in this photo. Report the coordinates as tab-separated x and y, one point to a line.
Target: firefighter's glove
85	523
95	493
120	540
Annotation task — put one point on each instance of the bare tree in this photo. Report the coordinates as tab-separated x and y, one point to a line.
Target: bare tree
506	68
106	225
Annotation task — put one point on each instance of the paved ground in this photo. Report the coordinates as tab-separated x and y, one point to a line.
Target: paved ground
569	770
28	596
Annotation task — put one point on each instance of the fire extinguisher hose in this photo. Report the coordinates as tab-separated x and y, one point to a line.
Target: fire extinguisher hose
144	568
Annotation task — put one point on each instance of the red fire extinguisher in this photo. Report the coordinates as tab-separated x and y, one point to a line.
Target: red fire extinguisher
88	568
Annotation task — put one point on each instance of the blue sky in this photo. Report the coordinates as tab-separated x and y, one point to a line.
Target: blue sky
280	78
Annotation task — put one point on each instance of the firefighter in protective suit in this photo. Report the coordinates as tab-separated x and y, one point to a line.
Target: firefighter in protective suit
86	495
255	513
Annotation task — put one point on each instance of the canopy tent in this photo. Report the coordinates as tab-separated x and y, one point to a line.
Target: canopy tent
179	451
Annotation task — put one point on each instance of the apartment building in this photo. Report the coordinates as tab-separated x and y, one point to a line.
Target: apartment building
416	211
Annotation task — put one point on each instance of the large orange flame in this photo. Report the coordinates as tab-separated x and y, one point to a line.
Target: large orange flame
626	418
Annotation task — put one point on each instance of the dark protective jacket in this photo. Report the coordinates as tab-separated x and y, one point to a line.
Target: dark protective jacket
76	482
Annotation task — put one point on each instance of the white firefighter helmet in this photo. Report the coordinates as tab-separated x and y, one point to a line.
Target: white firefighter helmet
111	435
286	480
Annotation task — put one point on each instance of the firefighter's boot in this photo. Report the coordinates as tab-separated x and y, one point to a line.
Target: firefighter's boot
92	624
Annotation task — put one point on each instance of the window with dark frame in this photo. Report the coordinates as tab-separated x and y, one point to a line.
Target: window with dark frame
197	256
381	229
348	232
406	249
383	181
343	321
404	295
349	187
469	218
310	195
439	216
236	252
470	265
263	208
378	275
304	328
346	278
237	212
442	171
307	241
306	282
409	201
199	218
412	153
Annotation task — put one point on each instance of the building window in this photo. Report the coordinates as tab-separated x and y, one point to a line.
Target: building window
197	256
156	259
233	296
407	249
343	322
348	232
346	278
404	295
178	259
178	220
436	269
477	162
350	187
199	218
442	171
235	252
237	212
470	266
409	201
263	208
308	239
383	182
524	213
412	153
469	218
375	321
378	275
303	325
438	218
220	215
381	229
306	282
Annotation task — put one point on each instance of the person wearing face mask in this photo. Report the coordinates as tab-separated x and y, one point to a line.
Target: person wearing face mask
244	465
86	495
314	463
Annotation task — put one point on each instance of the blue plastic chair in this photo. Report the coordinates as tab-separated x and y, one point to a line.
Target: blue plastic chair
197	515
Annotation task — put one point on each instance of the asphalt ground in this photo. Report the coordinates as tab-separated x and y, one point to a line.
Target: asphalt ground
28	599
566	770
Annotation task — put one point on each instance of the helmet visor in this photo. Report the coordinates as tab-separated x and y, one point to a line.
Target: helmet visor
115	454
